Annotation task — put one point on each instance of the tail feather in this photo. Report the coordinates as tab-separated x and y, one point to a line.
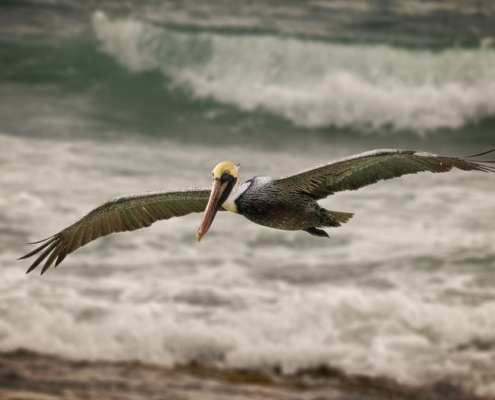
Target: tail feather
335	218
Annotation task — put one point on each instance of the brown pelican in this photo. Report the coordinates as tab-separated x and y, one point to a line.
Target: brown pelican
288	203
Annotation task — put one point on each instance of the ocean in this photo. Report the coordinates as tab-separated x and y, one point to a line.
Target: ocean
101	99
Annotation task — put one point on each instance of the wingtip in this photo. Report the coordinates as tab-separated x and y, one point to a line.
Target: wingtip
481	154
31	268
42	240
60	258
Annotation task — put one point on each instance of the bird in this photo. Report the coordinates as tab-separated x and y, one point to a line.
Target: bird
287	203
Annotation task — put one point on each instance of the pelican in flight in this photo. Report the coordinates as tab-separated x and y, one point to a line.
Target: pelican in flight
287	203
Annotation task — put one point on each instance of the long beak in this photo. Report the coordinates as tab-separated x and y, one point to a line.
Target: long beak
211	208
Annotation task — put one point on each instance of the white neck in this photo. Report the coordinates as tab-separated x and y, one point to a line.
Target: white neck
237	190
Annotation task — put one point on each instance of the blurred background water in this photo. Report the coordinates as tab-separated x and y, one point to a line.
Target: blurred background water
99	99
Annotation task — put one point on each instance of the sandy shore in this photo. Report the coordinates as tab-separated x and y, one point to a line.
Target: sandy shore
26	375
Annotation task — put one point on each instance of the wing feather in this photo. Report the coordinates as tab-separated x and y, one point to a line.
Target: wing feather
76	237
60	258
352	173
125	213
39	248
42	256
55	253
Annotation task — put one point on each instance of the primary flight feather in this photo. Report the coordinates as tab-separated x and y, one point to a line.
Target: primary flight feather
288	203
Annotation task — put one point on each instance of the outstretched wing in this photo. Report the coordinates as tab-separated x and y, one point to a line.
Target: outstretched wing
363	169
124	213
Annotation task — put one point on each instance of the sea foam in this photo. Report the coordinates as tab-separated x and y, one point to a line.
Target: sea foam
313	83
387	295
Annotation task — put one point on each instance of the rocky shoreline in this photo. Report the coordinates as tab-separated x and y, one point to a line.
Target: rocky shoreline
25	375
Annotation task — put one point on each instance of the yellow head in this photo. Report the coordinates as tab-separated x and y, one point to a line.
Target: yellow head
226	167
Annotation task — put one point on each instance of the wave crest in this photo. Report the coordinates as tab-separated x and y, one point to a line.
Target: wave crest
314	84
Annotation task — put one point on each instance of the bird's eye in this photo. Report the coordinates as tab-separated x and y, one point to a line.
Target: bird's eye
226	176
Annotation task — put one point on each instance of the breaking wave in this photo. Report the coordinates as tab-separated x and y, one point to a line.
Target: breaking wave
313	83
